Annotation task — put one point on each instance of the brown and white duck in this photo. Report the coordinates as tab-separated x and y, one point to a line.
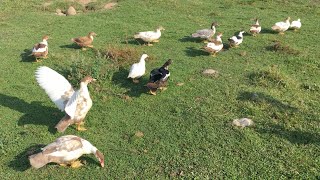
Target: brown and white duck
159	78
214	46
85	41
255	28
65	151
76	103
281	27
40	50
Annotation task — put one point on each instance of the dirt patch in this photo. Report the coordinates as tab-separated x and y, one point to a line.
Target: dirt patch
110	5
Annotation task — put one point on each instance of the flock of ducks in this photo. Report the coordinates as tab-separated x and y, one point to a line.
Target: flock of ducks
77	102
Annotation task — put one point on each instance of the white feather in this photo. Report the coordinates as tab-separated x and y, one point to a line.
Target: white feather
138	69
71	106
55	85
296	24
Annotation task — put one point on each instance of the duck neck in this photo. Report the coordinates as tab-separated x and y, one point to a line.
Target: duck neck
257	22
91	37
44	41
142	61
219	38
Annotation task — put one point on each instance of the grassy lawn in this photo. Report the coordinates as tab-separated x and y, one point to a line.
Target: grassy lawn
187	131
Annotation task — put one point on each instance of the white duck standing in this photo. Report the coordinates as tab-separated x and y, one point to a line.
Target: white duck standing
295	25
65	151
206	34
149	36
40	50
76	104
235	41
255	28
281	27
138	69
214	46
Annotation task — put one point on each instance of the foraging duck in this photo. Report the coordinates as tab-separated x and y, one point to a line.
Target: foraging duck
159	78
281	27
138	69
295	25
150	36
214	46
65	150
206	34
85	41
76	103
255	28
235	41
40	50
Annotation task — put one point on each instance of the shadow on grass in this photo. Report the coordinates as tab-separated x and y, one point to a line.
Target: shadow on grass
70	46
294	136
190	39
134	90
133	42
264	98
26	56
34	112
193	52
21	161
268	31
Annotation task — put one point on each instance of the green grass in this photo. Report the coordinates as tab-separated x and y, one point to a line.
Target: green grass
187	129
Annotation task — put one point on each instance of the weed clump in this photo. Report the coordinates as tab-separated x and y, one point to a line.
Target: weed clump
279	47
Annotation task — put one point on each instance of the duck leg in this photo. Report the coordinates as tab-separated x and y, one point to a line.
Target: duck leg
83	49
214	54
149	44
64	165
281	33
134	80
76	164
80	126
157	40
152	92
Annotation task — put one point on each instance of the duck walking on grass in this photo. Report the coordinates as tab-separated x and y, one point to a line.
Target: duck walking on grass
159	78
76	104
138	69
40	50
85	41
255	28
206	34
281	27
235	41
295	25
214	46
149	36
65	151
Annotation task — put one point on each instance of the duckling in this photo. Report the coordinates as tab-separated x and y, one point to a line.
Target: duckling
159	78
40	50
85	41
281	27
150	36
138	69
214	46
235	41
255	28
206	34
295	25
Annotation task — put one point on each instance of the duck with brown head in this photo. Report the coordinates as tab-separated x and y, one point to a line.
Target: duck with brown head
85	41
41	50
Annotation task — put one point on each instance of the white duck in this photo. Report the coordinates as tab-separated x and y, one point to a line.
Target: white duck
138	69
295	25
235	41
206	33
149	36
214	46
255	28
65	151
40	50
281	27
76	104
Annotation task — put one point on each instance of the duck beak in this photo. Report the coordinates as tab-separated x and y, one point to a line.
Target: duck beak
94	80
102	163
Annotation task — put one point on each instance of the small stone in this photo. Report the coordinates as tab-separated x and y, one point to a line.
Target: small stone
210	72
71	11
139	134
243	122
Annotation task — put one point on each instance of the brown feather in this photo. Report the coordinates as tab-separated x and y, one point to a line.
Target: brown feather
64	123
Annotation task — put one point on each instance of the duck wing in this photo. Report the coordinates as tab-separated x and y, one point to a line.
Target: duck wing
63	145
55	85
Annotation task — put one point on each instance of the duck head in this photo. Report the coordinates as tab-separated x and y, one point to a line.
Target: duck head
167	63
100	157
144	56
214	24
287	19
160	28
87	80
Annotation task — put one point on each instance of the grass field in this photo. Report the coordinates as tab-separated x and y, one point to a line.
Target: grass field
187	129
